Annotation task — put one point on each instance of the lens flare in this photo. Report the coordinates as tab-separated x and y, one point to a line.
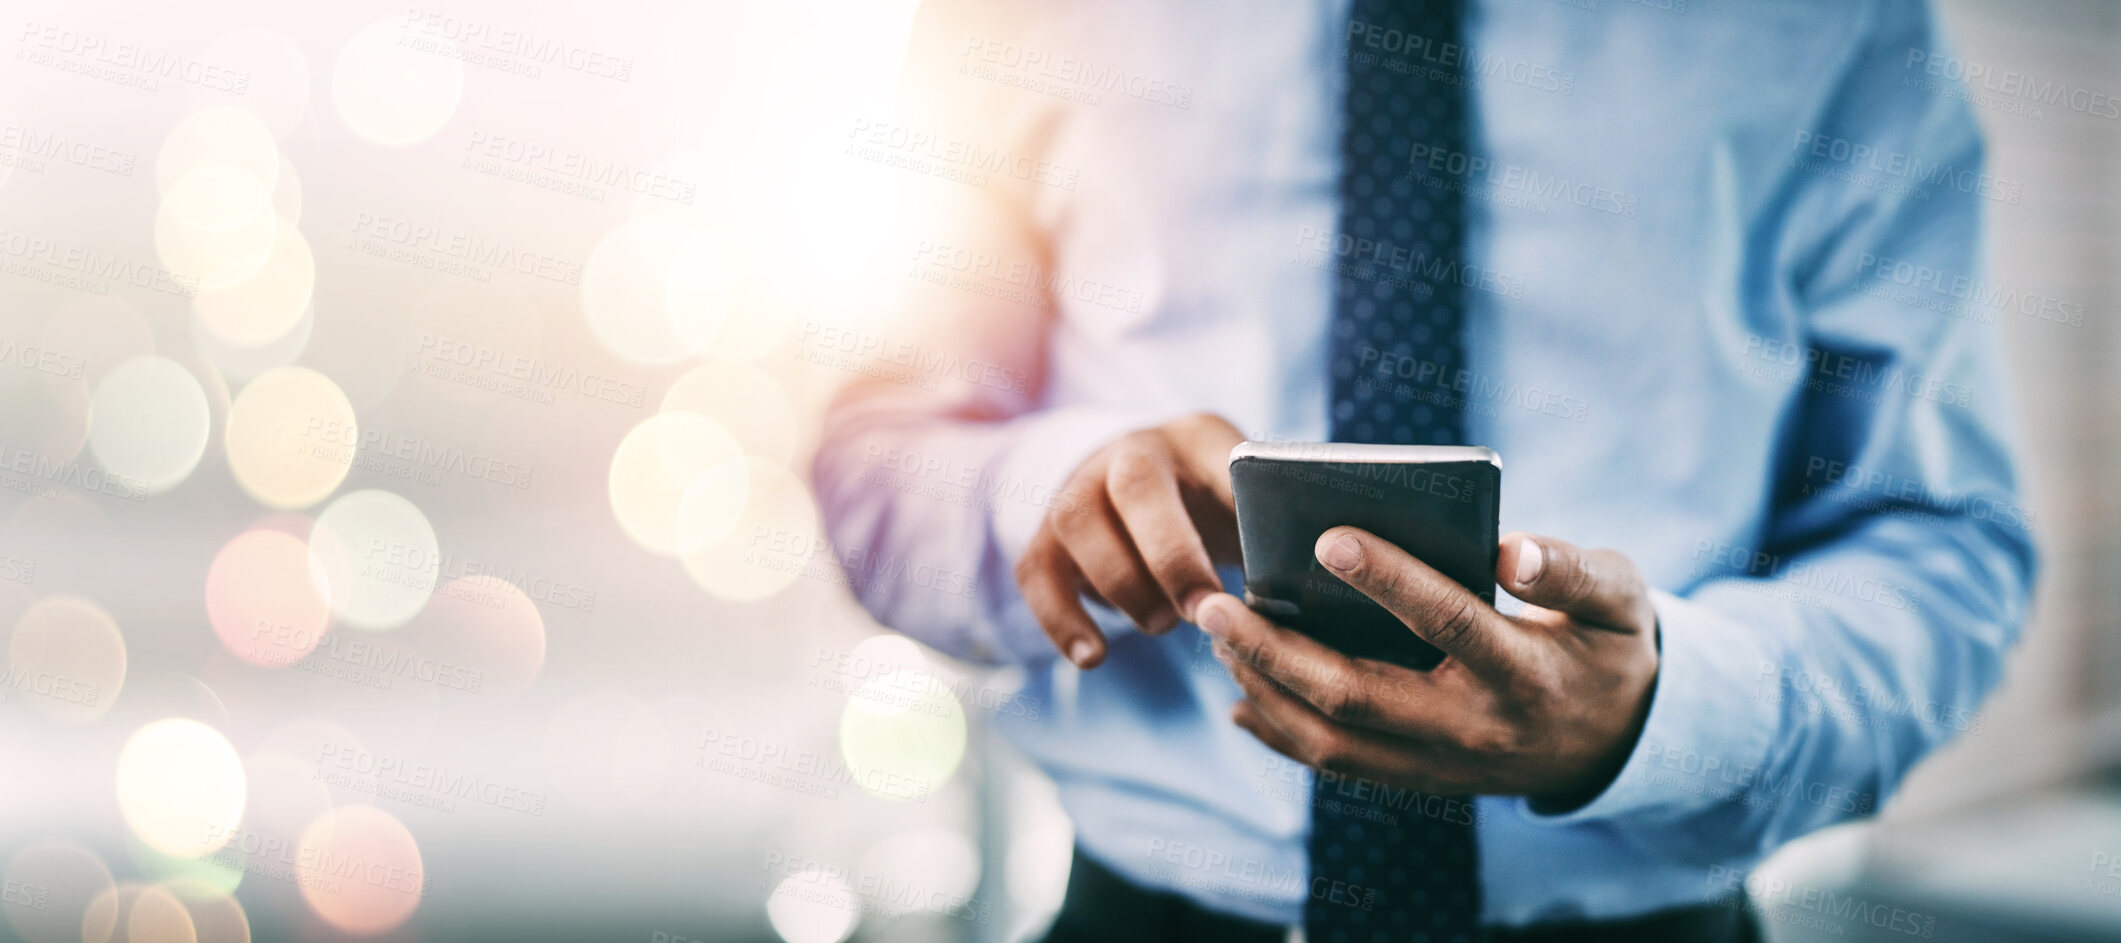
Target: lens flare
149	422
361	870
376	558
290	437
180	787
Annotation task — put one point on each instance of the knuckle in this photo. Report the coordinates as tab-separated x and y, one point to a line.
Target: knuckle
1132	471
1457	625
1345	701
1330	751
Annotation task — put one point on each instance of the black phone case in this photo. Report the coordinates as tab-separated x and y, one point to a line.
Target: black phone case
1444	513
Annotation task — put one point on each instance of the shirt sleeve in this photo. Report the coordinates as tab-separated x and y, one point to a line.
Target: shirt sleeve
941	453
1800	684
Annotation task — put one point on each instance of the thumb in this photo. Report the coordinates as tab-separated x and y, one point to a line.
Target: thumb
1601	587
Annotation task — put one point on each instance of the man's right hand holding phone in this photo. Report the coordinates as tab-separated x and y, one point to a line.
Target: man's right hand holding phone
1153	516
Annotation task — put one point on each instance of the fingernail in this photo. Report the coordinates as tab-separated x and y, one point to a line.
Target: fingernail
1343	553
1081	652
1213	619
1191	604
1531	561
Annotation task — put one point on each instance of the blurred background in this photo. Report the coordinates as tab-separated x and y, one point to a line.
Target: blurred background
403	415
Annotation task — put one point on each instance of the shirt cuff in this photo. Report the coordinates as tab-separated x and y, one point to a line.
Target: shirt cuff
1708	734
1045	448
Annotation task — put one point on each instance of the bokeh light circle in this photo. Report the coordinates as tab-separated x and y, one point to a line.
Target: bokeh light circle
746	400
266	304
376	558
653	474
274	77
137	913
391	93
180	787
941	863
149	422
379	894
229	139
262	598
652	292
290	437
903	735
60	880
813	905
487	626
776	541
66	659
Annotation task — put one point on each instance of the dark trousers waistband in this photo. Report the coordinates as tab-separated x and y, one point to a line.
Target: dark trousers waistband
1103	907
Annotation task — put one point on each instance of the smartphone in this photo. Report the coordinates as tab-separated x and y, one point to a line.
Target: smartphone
1438	503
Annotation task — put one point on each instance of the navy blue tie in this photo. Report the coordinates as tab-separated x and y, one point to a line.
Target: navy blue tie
1396	866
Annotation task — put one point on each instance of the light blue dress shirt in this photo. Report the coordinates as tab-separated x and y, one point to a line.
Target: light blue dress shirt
1727	321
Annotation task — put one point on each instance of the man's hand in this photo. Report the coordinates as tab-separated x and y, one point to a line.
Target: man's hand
1151	515
1547	704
